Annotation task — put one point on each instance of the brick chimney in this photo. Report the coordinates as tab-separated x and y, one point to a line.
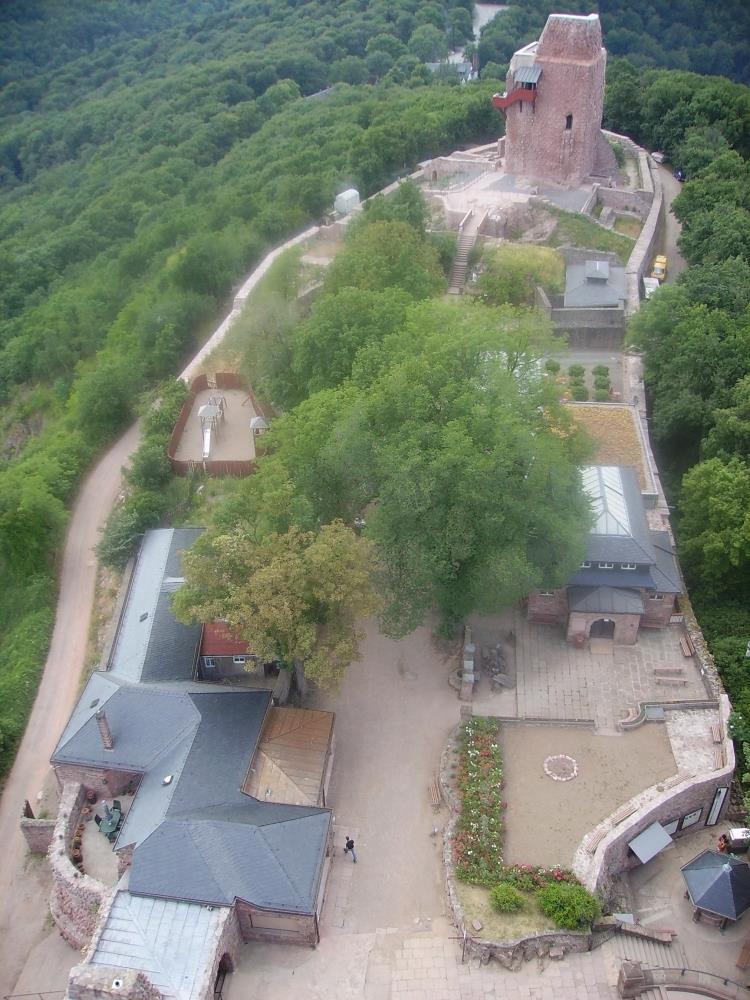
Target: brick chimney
104	731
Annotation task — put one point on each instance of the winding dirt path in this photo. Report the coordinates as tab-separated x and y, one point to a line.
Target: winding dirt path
54	702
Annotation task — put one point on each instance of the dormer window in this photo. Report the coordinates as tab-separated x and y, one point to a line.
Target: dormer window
606	565
628	566
585	565
568	122
546	593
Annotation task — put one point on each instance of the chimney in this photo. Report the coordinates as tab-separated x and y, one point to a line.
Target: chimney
104	731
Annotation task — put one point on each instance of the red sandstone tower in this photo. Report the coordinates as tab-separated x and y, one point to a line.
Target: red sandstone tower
553	104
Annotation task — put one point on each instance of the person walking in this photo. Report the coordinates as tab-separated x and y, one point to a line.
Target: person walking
350	848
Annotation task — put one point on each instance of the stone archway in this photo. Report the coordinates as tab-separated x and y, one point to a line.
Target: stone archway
602	628
226	966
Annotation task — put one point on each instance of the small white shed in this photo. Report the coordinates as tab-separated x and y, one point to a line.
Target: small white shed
347	201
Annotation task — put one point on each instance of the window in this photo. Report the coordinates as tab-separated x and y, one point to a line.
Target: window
239	659
606	565
628	565
209	662
585	565
656	597
568	122
546	593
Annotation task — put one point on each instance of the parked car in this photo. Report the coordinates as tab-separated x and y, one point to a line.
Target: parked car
658	157
679	174
659	270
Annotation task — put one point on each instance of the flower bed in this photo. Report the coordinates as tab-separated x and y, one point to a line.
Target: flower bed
477	844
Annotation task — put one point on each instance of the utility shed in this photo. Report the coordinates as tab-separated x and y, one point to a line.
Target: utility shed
594	283
347	201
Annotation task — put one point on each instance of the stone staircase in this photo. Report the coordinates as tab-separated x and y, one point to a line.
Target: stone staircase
649	953
466	240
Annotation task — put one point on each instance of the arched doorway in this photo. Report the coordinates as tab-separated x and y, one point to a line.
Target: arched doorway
602	628
226	965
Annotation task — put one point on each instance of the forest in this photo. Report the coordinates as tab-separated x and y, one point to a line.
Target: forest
150	152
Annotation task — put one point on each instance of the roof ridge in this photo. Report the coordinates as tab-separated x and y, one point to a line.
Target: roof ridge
275	764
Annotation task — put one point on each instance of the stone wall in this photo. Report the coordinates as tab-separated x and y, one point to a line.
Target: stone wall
580	622
106	782
282	928
656	614
553	609
227	940
76	898
637	202
103	982
603	854
38	833
538	143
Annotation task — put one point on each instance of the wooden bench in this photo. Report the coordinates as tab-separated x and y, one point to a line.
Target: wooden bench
686	645
717	732
672	681
720	758
669	671
594	840
435	797
743	962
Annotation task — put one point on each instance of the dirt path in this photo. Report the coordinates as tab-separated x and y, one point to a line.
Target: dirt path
20	925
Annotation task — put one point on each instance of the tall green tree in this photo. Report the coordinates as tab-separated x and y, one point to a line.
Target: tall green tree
294	597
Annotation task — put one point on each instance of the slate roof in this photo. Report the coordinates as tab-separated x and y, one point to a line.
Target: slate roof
165	939
594	283
595	577
151	645
199	838
527	74
614	600
665	574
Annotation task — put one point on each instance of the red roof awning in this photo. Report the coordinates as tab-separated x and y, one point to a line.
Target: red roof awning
218	640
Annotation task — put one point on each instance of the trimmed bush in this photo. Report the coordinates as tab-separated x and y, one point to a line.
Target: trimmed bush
576	380
601	395
602	382
600	370
551	366
576	370
579	393
570	906
505	899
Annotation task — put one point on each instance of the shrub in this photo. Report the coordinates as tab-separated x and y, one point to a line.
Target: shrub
574	380
506	899
600	370
576	370
580	393
601	395
551	366
477	845
602	382
570	906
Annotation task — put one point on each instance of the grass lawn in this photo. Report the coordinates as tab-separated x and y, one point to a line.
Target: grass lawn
475	900
579	231
628	226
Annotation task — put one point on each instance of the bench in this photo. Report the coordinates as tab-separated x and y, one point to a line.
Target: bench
594	840
743	962
686	645
669	671
672	681
720	758
435	797
717	732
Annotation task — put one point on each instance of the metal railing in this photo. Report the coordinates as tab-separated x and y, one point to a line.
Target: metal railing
663	976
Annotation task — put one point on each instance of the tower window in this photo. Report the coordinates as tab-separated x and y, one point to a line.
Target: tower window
568	122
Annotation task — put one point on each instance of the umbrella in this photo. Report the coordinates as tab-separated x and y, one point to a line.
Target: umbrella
718	883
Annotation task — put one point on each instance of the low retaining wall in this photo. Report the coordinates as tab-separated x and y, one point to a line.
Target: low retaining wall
510	954
638	202
76	899
603	854
39	834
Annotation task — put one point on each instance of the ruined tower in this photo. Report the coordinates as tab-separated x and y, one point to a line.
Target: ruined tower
553	104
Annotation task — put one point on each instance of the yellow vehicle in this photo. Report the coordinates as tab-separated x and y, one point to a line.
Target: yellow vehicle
659	270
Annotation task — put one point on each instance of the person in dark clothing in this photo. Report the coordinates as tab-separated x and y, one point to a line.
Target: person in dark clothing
350	849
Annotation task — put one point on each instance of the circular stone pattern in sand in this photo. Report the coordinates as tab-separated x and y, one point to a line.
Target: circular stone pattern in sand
561	767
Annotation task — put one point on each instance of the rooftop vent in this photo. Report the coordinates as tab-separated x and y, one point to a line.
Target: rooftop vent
167	780
143	617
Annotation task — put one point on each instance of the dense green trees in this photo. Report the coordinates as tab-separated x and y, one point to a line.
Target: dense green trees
681	34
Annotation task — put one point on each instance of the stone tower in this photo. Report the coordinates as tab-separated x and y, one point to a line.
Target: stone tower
553	104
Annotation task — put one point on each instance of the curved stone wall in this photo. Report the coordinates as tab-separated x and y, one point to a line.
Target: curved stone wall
76	898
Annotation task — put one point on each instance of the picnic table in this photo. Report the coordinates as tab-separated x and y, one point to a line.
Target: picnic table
111	822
